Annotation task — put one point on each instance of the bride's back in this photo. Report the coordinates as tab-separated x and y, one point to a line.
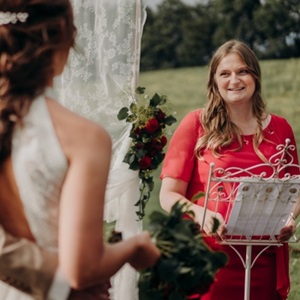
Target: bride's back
29	49
12	216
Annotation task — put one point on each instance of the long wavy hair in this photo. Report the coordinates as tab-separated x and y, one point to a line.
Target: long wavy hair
218	130
27	52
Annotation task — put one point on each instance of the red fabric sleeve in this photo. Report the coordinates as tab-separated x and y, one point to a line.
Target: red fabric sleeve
182	146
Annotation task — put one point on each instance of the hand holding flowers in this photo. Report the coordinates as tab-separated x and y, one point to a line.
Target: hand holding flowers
187	266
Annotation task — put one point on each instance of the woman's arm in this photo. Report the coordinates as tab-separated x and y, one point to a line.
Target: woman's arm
83	256
173	190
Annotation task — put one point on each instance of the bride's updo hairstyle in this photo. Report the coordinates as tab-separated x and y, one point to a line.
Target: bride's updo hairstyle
31	33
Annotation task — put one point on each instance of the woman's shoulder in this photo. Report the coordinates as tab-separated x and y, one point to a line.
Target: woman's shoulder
192	119
277	120
193	116
75	132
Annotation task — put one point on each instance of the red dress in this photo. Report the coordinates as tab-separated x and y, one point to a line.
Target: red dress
270	273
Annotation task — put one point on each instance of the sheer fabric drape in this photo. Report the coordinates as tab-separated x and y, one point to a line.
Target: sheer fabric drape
100	78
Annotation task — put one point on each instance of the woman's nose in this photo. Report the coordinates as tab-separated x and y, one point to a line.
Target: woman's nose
234	78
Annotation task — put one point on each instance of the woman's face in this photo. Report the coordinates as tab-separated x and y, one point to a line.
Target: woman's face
235	83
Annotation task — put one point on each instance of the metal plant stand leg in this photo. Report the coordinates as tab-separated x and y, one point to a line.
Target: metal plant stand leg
247	272
248	263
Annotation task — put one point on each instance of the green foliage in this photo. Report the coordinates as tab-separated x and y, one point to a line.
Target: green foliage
147	132
187	266
179	35
237	21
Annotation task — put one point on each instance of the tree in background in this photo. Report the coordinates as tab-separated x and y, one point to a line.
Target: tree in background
163	35
236	20
279	26
180	35
197	29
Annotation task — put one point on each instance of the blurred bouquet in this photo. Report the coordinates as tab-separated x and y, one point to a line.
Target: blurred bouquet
148	140
187	266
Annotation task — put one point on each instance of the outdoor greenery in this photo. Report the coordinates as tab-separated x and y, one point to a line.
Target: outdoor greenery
186	90
179	35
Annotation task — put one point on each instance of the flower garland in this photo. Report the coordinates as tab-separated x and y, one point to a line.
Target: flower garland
148	141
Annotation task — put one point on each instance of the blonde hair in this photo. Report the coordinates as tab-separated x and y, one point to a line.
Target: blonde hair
218	130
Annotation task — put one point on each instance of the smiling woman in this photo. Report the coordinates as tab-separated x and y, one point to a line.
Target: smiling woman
235	82
232	130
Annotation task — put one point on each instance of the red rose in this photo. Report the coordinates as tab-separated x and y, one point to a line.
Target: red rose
163	140
153	152
152	125
160	115
145	162
137	131
154	146
158	147
139	146
153	143
160	144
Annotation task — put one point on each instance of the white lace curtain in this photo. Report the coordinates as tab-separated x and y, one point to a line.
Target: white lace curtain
101	78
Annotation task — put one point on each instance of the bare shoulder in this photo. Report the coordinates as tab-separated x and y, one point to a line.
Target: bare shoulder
77	134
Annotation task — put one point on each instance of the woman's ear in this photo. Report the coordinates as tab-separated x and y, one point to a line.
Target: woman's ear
60	58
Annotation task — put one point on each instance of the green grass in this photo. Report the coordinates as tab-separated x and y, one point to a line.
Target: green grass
186	90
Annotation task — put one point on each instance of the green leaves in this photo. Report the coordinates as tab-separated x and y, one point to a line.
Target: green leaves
140	90
215	225
170	120
123	113
147	132
187	266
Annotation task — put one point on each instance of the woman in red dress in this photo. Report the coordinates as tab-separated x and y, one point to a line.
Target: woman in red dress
232	130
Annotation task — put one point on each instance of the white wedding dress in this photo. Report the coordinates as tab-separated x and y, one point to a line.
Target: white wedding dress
39	166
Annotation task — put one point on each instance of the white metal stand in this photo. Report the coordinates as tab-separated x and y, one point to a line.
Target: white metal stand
248	271
257	204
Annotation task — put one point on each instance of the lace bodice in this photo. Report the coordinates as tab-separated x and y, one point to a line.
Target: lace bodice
39	167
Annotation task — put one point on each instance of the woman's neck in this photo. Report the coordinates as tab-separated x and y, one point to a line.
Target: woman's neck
244	119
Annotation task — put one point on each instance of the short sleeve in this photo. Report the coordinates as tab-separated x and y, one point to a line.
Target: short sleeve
180	158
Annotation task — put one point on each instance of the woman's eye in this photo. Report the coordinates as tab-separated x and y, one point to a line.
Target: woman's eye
244	71
224	74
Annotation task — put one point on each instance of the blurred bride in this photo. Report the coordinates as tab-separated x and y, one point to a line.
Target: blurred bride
100	78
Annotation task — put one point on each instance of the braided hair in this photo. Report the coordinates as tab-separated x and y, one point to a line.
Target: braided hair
27	49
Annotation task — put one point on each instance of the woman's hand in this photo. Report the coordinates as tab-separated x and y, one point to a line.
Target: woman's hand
98	292
209	222
288	230
146	253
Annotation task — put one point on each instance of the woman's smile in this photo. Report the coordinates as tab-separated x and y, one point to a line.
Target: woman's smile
234	81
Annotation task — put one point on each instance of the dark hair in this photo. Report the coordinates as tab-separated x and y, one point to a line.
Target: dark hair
26	57
219	131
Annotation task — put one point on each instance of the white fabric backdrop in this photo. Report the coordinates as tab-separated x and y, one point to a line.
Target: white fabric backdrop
101	78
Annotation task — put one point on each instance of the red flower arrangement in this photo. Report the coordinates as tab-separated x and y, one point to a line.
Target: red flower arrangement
148	141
